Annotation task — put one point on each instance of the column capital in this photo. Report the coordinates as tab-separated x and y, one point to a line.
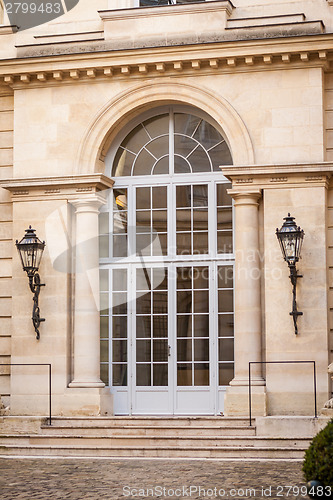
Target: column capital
91	202
245	197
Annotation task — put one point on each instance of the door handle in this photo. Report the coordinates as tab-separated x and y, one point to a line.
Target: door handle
169	350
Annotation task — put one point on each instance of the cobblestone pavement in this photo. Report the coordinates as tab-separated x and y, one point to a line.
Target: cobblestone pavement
113	479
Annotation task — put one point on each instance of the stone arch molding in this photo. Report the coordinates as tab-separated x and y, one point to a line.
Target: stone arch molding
128	104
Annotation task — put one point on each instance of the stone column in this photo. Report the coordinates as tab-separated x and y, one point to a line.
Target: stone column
86	296
247	307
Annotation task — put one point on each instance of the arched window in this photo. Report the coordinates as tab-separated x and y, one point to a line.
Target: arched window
166	256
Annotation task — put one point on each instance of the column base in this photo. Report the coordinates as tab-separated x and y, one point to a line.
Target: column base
236	401
87	401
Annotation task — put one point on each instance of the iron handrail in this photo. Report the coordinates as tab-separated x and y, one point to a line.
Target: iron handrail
282	362
50	381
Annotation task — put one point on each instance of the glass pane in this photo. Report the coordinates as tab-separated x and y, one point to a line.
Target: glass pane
123	162
119	350
120	221
200	243
143	350
120	199
160	350
104	280
119	302
183	220
200	196
201	302
184	350
160	221
104	246
186	124
226	325
184	374
160	326
201	350
223	198
199	160
143	221
160	197
119	327
119	375
184	277
104	303
226	349
200	219
120	245
143	327
104	327
220	155
201	325
161	166
143	244
201	374
143	304
181	166
225	277
137	138
160	244
226	301
143	198
184	145
103	222
144	163
160	279
105	374
224	241
207	135
159	147
184	301
160	302
183	243
143	375
160	374
226	373
184	326
183	196
143	279
157	125
201	277
104	351
224	218
119	280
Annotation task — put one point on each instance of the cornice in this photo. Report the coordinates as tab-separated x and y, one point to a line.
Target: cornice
56	187
248	177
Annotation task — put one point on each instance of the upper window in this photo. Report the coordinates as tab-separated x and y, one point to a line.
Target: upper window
171	143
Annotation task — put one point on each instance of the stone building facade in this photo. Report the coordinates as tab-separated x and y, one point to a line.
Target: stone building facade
156	149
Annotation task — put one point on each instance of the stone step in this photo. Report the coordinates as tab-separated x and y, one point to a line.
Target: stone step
149	421
231	452
153	430
158	441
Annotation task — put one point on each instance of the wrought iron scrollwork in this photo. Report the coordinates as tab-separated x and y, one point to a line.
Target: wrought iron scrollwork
35	284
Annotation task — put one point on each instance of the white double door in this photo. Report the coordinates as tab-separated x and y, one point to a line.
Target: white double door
172	340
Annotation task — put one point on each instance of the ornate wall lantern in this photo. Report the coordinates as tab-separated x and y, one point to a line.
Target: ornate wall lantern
290	237
31	249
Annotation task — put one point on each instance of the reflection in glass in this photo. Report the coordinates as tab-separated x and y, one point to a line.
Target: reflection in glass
143	351
226	373
143	375
226	349
143	327
201	374
160	374
119	327
119	350
119	375
184	374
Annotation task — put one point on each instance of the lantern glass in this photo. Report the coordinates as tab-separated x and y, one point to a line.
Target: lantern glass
30	249
290	237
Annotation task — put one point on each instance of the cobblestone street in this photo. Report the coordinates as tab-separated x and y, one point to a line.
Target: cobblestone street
92	479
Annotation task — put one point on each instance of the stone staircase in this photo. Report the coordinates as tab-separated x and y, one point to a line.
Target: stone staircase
163	437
